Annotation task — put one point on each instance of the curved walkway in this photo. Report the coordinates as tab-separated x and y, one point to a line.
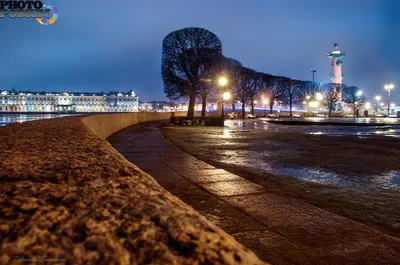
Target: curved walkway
279	229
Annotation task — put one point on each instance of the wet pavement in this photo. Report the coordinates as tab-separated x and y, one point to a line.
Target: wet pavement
240	135
388	127
280	229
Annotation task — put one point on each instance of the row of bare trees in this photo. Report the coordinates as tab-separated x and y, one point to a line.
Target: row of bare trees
192	62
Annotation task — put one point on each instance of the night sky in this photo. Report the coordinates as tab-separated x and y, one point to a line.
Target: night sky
97	46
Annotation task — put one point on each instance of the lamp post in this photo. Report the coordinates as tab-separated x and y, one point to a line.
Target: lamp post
378	98
388	88
313	71
223	81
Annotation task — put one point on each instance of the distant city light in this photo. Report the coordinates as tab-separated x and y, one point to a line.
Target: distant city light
378	98
319	96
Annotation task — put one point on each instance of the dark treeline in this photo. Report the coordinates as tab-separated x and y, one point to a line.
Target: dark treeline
192	63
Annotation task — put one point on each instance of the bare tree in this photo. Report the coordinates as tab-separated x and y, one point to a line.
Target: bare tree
353	96
186	54
291	90
309	89
332	95
255	85
241	90
205	89
273	89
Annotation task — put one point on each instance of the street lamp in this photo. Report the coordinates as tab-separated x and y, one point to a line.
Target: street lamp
359	93
388	88
313	71
319	96
226	96
223	81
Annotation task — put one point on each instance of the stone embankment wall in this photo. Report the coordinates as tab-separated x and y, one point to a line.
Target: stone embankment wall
66	195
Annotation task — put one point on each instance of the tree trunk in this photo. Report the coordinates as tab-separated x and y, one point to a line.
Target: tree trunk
243	110
233	106
192	102
252	105
204	106
271	107
290	108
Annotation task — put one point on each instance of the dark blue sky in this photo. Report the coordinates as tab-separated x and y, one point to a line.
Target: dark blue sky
95	46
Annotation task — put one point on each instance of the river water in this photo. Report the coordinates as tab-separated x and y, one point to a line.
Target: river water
6	119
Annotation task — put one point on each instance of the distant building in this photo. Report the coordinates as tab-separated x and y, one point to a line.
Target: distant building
12	101
162	106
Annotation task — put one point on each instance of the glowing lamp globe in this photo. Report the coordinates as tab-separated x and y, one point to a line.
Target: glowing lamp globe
223	81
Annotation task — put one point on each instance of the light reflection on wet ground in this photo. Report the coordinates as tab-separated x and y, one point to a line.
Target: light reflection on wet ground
6	119
362	132
263	160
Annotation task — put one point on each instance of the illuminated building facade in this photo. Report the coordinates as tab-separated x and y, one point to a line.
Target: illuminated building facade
12	101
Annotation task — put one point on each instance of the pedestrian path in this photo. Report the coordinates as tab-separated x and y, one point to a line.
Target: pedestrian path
279	229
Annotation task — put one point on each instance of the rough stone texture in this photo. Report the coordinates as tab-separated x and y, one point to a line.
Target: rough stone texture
66	194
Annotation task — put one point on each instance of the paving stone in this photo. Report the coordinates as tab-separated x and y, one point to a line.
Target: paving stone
182	164
231	188
153	143
177	185
166	149
165	177
301	222
274	248
140	149
223	215
203	172
213	178
152	166
178	155
143	157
